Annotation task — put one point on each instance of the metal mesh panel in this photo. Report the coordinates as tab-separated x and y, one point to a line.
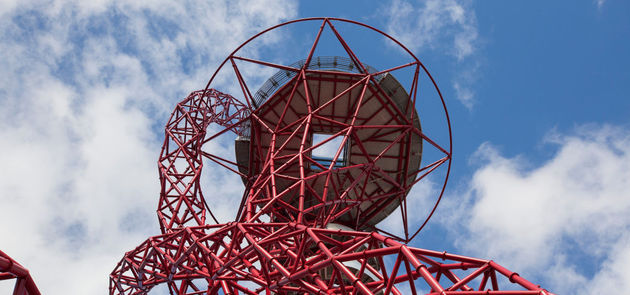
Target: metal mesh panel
280	78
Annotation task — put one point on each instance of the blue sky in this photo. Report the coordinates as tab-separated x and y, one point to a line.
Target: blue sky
538	93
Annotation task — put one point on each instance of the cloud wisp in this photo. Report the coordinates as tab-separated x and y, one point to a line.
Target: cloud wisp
81	86
446	26
599	3
563	223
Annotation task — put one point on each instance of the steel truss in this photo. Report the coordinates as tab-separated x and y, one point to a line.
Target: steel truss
10	269
290	258
282	240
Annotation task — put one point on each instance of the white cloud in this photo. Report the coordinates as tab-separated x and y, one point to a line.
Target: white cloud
564	222
464	94
600	3
85	88
434	24
445	26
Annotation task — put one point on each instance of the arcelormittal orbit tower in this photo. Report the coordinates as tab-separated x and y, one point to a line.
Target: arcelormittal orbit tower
328	147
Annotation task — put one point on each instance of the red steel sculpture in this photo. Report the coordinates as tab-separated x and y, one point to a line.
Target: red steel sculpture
11	270
327	148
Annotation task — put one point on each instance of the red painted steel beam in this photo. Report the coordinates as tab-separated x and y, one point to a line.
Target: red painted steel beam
283	240
10	269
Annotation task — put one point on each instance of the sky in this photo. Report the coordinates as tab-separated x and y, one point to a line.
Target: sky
538	94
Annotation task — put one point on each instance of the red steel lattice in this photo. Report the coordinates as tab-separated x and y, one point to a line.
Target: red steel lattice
11	270
305	224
